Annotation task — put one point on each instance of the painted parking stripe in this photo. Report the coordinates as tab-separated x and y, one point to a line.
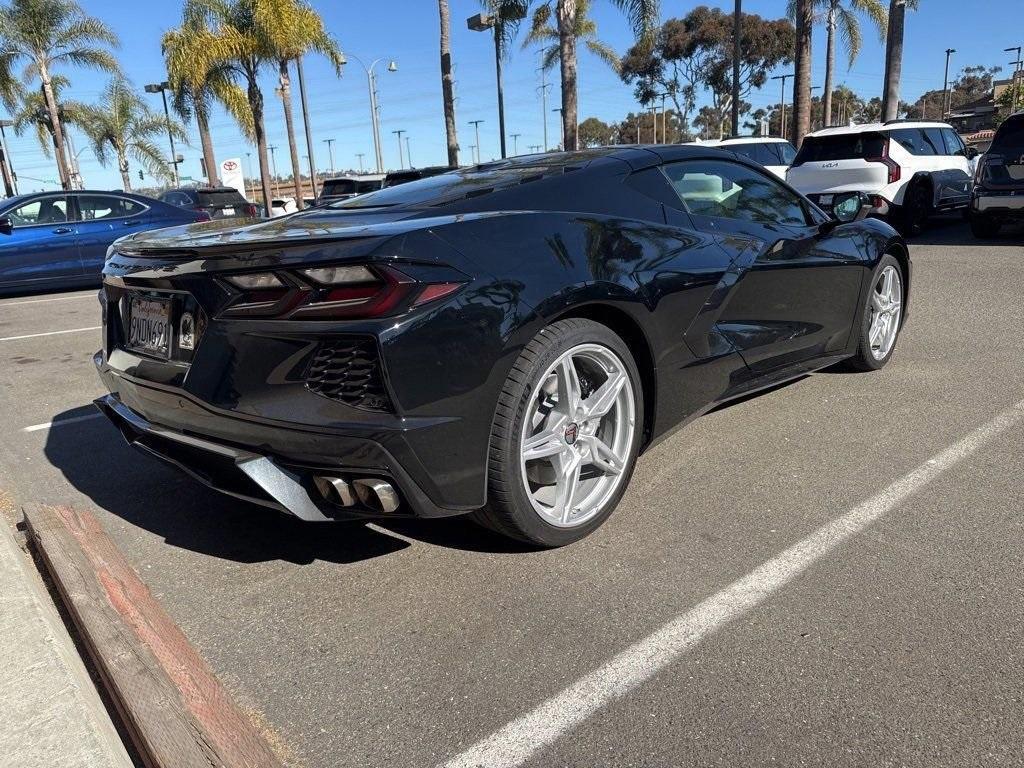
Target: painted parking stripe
51	333
42	301
60	422
515	743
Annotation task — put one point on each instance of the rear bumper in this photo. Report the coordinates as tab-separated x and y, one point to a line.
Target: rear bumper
1003	204
270	465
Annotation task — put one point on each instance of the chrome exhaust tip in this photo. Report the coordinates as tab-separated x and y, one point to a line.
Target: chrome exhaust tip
376	494
335	490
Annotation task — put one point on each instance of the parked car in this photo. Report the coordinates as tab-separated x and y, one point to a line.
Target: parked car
344	187
59	239
998	195
501	340
219	202
773	153
394	178
282	206
908	169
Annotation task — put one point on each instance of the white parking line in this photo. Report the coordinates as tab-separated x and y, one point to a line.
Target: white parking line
60	422
56	298
51	333
515	743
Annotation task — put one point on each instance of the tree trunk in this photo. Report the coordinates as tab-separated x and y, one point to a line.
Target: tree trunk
566	12
802	79
260	134
893	60
207	142
289	125
58	132
447	90
830	66
122	166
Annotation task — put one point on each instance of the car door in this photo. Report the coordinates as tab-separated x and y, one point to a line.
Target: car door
39	248
102	218
961	174
796	289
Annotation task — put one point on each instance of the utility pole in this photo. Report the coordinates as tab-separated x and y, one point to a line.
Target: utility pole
664	121
476	126
472	152
360	155
534	147
398	133
305	120
736	69
330	151
782	122
515	143
273	169
1015	81
945	85
544	85
408	153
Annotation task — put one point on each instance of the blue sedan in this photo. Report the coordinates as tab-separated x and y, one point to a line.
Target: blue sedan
59	239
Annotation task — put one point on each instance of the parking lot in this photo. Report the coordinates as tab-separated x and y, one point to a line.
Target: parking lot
896	641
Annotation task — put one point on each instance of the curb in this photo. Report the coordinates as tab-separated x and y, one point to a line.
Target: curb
176	711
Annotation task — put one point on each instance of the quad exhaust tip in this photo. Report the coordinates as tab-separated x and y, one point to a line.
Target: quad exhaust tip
371	492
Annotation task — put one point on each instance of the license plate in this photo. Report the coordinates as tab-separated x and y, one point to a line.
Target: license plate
149	326
229	211
825	199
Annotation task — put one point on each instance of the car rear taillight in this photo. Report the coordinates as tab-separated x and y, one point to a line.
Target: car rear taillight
888	162
202	215
251	211
339	292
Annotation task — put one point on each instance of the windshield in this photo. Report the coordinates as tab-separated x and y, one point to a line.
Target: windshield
844	146
1009	137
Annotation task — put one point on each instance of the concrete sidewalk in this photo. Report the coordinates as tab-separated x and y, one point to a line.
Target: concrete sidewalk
49	707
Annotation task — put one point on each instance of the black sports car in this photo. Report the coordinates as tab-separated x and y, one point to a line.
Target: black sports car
501	340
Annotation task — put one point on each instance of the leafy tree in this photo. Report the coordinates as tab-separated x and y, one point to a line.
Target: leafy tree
670	122
973	83
194	90
844	21
122	126
45	35
595	133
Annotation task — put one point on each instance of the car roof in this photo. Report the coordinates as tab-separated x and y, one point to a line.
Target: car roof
752	140
889	125
356	177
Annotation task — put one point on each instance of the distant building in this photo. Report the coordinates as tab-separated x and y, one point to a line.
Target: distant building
978	118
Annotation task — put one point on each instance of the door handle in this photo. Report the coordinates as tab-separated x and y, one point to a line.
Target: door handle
62	230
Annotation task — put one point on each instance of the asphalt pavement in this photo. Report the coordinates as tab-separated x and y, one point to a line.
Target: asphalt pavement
419	644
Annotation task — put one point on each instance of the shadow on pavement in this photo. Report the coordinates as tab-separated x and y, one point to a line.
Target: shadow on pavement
952	229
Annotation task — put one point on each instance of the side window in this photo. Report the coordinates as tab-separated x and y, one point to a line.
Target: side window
915	142
732	191
954	145
45	210
95	207
933	139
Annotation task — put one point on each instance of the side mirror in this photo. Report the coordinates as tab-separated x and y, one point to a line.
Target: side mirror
6	225
850	206
971	152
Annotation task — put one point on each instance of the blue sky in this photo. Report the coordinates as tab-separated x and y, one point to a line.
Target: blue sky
407	30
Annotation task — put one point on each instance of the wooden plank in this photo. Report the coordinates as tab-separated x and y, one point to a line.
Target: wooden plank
176	711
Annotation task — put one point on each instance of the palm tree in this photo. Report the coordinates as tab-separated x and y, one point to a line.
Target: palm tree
894	57
122	124
643	15
447	90
32	114
47	34
845	21
292	29
544	33
802	76
194	92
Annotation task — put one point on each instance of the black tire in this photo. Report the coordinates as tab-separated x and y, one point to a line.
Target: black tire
509	511
864	360
917	207
983	227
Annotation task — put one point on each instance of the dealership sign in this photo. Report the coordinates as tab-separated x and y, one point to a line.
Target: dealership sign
231	174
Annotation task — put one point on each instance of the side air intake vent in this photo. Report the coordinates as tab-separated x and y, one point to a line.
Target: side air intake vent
348	370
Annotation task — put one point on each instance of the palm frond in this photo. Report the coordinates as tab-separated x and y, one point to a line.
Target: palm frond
542	28
88	58
849	33
550	56
876	11
606	53
642	15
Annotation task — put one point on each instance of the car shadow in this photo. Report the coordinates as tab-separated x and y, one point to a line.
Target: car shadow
95	460
953	229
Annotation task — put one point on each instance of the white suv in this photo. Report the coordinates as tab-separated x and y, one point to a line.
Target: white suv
907	169
773	153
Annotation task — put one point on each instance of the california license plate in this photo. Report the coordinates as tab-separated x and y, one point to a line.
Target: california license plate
149	326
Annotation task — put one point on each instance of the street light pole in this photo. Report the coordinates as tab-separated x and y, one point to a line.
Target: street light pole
515	143
481	22
544	85
162	88
360	155
371	81
782	121
408	152
248	170
273	169
1015	81
398	133
945	85
476	126
330	151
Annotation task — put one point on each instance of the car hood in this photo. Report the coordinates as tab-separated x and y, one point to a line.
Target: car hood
304	227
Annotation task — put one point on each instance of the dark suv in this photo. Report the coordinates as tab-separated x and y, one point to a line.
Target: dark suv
219	202
998	196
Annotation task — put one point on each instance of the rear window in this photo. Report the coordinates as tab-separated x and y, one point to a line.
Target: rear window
769	153
1009	137
444	188
219	199
844	146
